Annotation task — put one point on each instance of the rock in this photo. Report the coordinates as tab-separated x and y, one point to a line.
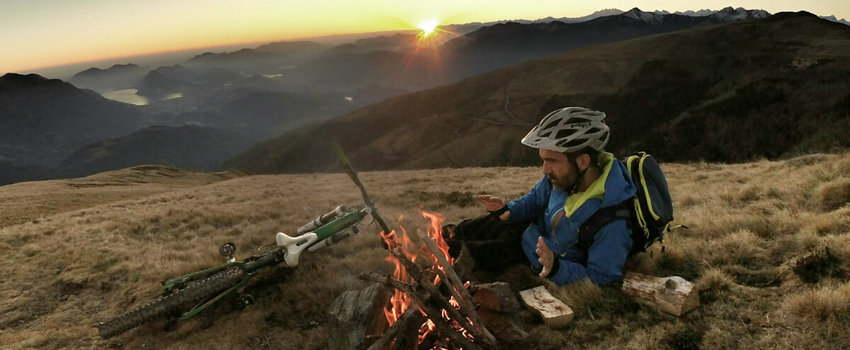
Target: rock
358	314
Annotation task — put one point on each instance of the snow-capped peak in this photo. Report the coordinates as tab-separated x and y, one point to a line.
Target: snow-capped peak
648	17
740	13
700	13
833	19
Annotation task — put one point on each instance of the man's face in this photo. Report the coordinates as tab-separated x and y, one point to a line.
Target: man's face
558	168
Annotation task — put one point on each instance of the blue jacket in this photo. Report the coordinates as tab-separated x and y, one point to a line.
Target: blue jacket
556	216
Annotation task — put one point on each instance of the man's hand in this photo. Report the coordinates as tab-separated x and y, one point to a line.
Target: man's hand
493	203
547	257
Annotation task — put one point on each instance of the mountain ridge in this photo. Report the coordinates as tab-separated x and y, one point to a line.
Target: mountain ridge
189	147
650	83
94	71
116	77
43	120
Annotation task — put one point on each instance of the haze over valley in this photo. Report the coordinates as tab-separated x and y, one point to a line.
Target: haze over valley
297	95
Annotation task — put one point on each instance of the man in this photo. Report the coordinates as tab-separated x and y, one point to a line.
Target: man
579	179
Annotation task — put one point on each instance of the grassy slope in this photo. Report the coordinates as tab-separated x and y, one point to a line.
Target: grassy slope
27	201
751	224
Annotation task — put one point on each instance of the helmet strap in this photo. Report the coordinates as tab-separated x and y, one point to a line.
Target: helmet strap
580	176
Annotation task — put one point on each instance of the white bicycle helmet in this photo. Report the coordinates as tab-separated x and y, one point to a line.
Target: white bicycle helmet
568	130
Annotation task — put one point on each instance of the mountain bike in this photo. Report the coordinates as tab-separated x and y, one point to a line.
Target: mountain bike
188	295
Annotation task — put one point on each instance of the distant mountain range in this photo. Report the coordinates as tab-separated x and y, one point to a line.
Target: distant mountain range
699	13
396	64
494	80
276	59
43	123
732	92
43	120
49	128
504	44
192	147
833	19
117	77
373	69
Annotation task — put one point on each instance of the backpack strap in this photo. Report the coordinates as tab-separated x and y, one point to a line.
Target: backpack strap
587	231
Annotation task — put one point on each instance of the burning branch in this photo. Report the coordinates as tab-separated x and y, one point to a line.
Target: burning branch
456	287
453	320
414	284
421	300
409	318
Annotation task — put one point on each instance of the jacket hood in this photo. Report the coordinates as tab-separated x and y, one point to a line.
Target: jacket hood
613	186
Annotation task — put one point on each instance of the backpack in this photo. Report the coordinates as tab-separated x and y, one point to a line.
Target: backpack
648	214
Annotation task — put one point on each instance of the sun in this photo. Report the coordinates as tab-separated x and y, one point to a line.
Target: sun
427	27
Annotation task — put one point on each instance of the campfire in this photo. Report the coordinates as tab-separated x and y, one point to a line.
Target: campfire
429	307
429	300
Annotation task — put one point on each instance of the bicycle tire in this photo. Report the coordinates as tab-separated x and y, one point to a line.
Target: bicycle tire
171	303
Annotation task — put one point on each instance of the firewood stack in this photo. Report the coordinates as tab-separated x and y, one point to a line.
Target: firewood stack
454	327
461	327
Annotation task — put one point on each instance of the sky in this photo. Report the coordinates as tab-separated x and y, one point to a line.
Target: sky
35	34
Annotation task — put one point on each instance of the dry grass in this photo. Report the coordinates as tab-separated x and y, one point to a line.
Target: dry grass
27	201
767	246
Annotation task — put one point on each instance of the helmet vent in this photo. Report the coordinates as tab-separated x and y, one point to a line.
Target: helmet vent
551	125
564	133
571	143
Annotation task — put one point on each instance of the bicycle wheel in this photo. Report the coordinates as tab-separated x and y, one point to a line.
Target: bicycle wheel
172	303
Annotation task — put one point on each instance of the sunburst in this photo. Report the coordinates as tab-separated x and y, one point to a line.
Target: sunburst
428	27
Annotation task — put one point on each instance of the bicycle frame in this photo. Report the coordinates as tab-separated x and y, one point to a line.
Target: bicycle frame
288	250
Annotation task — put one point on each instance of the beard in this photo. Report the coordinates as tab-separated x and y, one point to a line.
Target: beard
562	183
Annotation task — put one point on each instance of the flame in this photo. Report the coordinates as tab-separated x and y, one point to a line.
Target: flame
402	243
435	231
400	301
426	329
